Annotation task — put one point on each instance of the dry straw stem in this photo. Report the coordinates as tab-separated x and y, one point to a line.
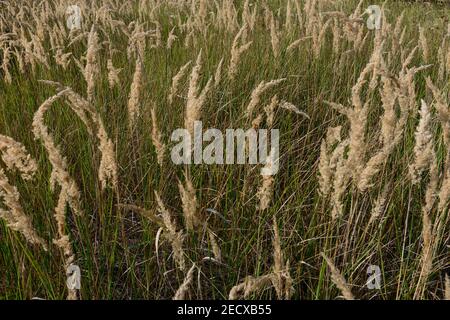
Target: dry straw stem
236	51
255	97
183	290
338	279
176	82
160	147
195	98
135	94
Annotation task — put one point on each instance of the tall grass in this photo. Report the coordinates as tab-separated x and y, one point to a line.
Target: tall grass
364	160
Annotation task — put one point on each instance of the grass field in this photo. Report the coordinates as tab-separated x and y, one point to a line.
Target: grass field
364	162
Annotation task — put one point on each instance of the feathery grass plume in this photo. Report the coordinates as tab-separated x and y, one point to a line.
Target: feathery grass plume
190	204
288	23
257	121
69	192
447	287
135	94
14	155
274	37
249	16
149	214
136	40
15	217
113	74
270	111
249	286
195	98
358	120
236	51
176	82
62	59
255	98
338	279
291	107
171	38
265	192
380	204
444	117
5	64
91	69
183	290
424	45
319	35
407	96
107	171
357	116
392	128
218	73
337	35
342	176
296	43
281	280
160	147
423	148
175	238
59	176
214	245
427	229
397	39
326	171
